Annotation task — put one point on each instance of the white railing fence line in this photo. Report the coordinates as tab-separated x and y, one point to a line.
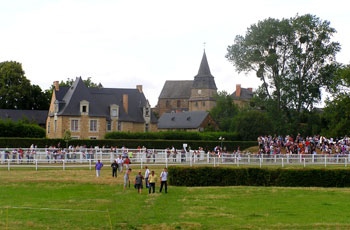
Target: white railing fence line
44	158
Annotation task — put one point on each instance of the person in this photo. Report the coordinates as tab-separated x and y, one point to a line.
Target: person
98	167
120	162
146	177
126	162
114	166
138	182
127	178
164	180
152	179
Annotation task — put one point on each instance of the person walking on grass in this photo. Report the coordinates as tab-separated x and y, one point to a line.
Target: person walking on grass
98	168
146	177
152	179
138	182
114	166
164	180
127	178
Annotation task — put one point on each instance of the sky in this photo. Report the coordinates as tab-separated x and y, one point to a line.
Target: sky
121	44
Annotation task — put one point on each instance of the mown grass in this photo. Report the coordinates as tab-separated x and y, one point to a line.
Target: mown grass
76	199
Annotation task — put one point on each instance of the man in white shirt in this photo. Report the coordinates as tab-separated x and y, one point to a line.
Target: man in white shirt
146	176
164	180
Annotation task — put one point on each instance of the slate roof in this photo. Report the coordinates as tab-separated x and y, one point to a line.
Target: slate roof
176	89
204	79
245	94
182	120
100	100
37	116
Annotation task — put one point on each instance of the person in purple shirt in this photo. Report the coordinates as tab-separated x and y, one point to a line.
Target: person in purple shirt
98	168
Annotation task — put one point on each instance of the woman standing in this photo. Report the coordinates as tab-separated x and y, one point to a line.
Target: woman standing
138	182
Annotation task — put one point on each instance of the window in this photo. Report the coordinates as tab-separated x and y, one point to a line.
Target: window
55	126
93	125
147	112
74	125
109	126
178	103
48	127
114	110
84	107
119	126
114	113
146	127
203	103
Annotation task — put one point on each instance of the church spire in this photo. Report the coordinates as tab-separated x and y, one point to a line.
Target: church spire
204	79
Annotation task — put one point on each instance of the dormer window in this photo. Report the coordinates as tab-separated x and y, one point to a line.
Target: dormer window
114	110
84	107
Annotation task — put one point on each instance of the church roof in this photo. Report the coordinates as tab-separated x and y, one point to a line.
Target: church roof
176	89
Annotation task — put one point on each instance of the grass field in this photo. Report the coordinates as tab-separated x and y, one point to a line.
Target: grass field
76	199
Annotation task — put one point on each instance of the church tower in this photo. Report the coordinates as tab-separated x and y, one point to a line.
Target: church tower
203	88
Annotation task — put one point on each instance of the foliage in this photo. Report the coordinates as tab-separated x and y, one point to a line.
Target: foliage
16	92
221	176
88	82
252	123
8	128
337	112
224	111
293	58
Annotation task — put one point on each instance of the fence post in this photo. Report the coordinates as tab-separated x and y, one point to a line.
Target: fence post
345	160
36	165
282	162
64	166
8	164
304	162
325	160
260	162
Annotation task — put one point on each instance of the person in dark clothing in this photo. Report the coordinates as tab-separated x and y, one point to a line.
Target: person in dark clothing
114	166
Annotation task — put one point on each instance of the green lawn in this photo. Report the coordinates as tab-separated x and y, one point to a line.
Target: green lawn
76	199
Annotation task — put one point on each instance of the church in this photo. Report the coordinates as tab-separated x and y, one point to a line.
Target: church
189	95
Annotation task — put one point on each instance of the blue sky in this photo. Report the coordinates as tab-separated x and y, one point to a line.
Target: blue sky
121	44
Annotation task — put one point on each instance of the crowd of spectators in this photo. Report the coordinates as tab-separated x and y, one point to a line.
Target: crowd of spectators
316	144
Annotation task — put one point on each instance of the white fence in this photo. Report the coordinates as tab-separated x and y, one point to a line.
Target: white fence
53	158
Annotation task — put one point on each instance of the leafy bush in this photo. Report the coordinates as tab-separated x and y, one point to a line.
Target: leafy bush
228	176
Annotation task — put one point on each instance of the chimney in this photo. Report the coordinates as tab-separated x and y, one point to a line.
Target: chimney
126	103
238	90
56	84
139	87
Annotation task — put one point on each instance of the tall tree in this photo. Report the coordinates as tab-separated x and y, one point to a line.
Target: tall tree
288	56
16	91
15	88
337	111
224	111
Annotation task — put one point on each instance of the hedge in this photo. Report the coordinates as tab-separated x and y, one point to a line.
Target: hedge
228	176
